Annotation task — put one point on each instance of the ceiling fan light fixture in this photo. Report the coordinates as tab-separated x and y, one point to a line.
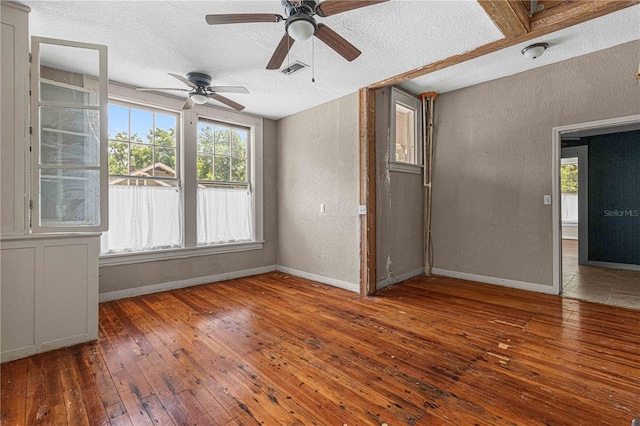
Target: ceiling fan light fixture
534	51
301	28
199	98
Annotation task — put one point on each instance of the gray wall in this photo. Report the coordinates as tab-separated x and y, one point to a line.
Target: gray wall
121	277
493	160
399	209
318	164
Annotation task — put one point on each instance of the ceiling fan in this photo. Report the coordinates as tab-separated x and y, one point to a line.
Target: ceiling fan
201	90
300	25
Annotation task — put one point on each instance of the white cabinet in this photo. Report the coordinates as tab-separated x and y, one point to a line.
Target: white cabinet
48	281
49	295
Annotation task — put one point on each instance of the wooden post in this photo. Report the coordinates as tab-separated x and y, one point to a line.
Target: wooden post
367	160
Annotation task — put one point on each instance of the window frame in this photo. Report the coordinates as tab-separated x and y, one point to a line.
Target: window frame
411	102
155	110
188	181
101	84
231	183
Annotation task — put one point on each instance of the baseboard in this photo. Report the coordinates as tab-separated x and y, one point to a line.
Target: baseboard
613	265
522	285
355	287
172	285
395	279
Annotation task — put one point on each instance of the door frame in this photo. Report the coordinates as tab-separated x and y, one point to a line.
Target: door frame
556	146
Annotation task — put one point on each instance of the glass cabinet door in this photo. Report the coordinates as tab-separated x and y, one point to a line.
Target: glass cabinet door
69	138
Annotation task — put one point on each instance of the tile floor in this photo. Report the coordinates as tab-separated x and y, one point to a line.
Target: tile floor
601	285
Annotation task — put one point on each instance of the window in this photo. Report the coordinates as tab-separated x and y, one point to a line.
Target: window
144	189
181	182
404	143
69	138
224	195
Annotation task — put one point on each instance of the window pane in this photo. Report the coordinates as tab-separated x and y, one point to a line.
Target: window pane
83	122
118	123
221	169
118	158
69	197
64	148
205	167
405	137
239	170
205	138
223	137
78	63
141	160
165	165
141	126
66	95
165	134
238	143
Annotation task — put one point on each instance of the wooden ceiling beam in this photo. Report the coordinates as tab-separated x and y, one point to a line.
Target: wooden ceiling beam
543	25
577	11
509	16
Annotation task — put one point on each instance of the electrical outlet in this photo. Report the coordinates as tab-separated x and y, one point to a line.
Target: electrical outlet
547	200
362	209
322	209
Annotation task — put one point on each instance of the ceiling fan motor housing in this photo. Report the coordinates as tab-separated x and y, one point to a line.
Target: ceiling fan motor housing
293	7
199	79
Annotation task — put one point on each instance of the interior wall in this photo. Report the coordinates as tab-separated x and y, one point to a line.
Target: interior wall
614	198
124	277
318	165
493	162
399	207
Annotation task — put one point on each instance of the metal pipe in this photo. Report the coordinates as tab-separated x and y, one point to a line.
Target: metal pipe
428	100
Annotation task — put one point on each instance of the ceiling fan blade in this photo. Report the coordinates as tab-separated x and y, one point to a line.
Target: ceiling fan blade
333	7
227	102
281	52
242	18
227	89
188	104
160	88
337	43
184	80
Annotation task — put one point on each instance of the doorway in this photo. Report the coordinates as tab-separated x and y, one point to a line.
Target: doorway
579	271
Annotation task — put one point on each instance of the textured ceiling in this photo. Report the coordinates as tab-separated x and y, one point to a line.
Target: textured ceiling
148	39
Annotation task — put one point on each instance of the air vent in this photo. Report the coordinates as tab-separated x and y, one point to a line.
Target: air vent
297	66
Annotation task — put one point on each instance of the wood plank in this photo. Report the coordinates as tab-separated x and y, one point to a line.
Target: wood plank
277	349
508	17
14	392
367	172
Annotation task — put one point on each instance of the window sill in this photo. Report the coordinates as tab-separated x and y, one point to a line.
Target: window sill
178	253
395	166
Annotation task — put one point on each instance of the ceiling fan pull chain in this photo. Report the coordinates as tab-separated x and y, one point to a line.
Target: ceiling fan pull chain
288	52
313	59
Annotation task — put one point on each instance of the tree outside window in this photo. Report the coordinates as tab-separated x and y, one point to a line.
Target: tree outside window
222	153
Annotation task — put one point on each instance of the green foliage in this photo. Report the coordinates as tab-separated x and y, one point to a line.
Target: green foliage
222	155
569	178
141	151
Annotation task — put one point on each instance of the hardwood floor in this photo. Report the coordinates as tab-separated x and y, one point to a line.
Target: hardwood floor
275	349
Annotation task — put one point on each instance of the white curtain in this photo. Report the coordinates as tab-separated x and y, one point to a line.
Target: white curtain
569	208
142	218
224	215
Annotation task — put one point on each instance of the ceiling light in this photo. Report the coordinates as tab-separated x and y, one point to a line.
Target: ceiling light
199	97
302	28
534	51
